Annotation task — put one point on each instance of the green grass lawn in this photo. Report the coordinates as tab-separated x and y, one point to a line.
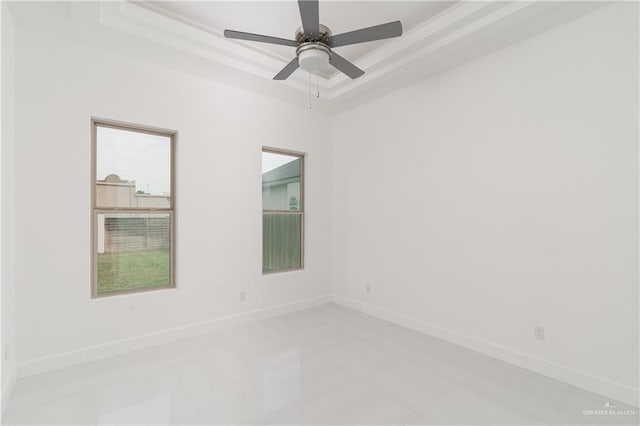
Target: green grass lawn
133	270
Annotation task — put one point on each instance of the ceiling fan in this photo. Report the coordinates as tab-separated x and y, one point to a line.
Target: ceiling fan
314	42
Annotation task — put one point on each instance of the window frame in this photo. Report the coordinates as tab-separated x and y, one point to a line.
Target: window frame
300	212
95	210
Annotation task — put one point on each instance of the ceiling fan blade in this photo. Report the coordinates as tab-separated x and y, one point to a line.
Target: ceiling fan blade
345	66
310	16
287	70
377	32
258	37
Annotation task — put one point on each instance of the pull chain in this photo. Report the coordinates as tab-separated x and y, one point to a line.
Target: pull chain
309	90
317	79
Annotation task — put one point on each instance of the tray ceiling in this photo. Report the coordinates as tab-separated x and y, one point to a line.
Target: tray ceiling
282	18
187	36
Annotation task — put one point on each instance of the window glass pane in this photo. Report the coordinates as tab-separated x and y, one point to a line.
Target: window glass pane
133	169
133	251
281	242
281	182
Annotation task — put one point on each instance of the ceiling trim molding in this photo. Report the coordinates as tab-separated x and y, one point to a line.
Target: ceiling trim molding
438	36
454	23
414	38
428	38
192	38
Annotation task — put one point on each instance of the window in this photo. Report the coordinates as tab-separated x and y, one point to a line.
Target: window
133	197
282	211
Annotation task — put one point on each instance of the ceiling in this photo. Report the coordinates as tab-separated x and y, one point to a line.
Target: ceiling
188	37
282	18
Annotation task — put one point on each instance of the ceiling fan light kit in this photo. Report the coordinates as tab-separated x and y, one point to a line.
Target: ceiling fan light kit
313	57
314	43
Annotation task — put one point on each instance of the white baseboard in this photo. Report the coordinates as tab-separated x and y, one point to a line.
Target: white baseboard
581	379
93	353
7	389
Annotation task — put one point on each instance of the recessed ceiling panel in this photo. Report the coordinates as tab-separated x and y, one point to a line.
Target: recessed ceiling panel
282	18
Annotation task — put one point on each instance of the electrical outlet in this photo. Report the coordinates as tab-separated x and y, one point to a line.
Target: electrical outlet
538	333
367	289
243	296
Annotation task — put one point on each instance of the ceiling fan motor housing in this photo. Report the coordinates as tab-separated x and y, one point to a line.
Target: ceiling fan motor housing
321	37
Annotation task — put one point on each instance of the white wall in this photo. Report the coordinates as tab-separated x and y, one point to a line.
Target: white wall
60	84
501	195
7	188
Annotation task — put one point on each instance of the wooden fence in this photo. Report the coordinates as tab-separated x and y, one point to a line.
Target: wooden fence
136	233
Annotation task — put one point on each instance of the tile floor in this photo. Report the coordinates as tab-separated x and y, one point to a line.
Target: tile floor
325	365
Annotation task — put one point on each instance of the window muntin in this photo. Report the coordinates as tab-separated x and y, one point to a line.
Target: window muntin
282	211
133	209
